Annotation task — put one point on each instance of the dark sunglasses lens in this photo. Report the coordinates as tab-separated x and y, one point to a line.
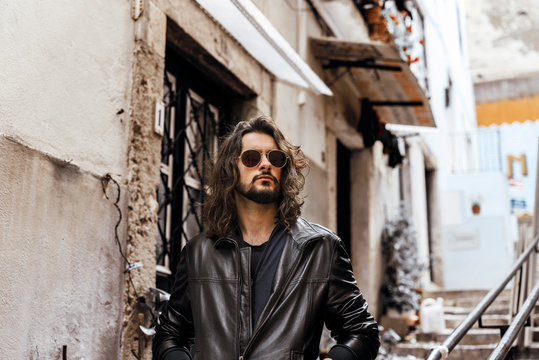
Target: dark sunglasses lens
277	158
250	158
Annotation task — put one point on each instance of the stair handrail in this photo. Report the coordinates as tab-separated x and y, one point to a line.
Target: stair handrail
441	352
504	346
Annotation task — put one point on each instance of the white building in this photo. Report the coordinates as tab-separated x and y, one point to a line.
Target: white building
497	171
436	42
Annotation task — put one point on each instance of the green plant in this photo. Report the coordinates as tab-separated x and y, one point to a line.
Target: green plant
403	268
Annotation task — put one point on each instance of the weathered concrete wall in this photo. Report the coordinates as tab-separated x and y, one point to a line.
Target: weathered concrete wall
435	227
418	200
503	38
375	194
303	125
144	153
316	201
67	89
60	268
506	89
65	104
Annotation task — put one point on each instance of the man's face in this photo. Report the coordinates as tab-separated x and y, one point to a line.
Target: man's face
260	183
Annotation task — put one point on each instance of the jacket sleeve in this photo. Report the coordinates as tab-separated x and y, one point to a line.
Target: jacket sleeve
347	316
174	330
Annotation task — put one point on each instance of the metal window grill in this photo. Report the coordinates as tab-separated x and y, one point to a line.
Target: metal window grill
188	148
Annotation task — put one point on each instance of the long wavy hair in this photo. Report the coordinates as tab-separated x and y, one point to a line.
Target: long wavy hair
219	207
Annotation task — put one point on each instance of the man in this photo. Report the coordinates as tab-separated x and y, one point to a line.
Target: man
261	282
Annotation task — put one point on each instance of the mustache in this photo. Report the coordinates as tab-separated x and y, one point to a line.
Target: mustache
265	174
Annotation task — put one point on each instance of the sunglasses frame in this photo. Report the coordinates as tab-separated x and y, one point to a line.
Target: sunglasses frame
266	154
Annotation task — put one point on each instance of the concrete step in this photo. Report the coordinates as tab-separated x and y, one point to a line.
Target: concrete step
474	337
461	352
535	336
452	321
492	310
530	353
468	298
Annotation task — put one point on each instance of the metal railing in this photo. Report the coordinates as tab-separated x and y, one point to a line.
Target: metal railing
441	351
504	346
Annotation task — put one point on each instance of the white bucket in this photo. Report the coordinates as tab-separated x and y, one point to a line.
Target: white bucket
432	315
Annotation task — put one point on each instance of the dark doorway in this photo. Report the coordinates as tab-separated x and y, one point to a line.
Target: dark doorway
344	195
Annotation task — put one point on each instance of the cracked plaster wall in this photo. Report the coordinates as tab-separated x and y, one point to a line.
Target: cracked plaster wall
63	125
60	269
144	158
502	38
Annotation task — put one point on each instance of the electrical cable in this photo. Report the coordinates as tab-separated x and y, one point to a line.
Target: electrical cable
104	182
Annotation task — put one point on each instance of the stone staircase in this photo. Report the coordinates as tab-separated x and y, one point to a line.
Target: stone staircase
479	343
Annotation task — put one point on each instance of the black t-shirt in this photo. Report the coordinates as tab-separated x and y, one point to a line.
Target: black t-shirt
257	251
264	261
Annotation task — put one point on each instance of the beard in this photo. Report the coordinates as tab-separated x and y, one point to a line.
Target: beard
263	196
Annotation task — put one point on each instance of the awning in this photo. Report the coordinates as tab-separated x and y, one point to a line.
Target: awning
381	76
243	20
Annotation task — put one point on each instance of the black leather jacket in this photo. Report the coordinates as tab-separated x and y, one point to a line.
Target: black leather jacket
209	310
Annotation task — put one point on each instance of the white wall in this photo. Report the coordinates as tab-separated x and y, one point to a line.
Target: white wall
476	255
66	74
447	58
64	120
490	188
418	199
494	192
516	139
498	31
482	245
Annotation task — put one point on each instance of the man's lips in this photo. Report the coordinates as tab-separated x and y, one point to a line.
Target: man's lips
265	177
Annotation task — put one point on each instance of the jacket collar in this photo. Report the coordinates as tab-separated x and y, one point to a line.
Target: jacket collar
300	232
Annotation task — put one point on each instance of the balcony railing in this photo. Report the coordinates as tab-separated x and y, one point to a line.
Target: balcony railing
478	151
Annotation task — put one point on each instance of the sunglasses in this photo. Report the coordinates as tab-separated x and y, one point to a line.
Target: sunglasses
251	158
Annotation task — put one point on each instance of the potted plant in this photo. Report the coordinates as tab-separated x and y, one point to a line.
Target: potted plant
400	295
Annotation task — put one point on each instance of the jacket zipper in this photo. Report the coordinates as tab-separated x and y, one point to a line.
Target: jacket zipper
242	357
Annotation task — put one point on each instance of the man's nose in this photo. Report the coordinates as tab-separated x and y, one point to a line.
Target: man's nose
264	162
